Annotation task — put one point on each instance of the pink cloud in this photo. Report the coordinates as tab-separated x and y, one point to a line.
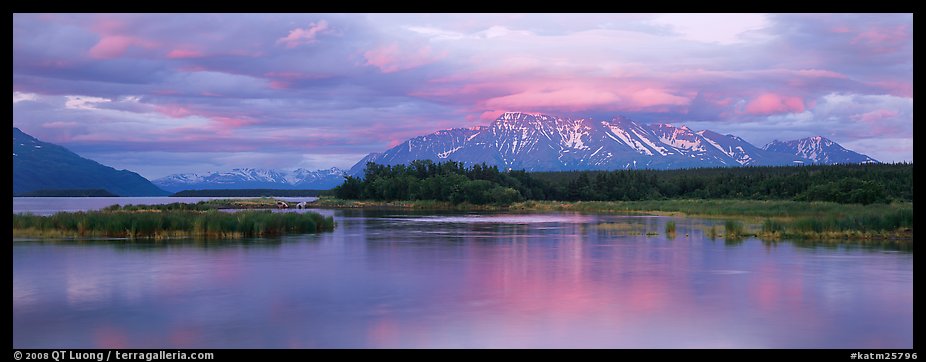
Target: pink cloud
650	97
285	80
277	84
232	122
383	58
517	90
285	75
877	115
301	36
113	46
503	91
115	38
391	58
490	115
881	35
472	87
770	103
173	110
61	124
222	123
293	76
108	24
567	98
184	53
883	40
820	73
720	100
896	88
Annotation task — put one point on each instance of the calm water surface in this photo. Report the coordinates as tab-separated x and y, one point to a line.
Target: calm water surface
405	279
51	205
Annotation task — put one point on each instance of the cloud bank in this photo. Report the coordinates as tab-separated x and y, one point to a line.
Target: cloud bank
167	93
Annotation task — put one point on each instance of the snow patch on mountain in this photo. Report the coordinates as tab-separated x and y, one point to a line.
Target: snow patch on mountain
818	149
242	178
539	142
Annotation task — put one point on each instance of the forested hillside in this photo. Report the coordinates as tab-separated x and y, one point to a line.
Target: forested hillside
481	184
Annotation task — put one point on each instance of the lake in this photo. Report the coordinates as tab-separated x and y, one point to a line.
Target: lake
406	279
51	205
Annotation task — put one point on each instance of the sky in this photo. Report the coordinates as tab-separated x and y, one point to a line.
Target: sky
174	93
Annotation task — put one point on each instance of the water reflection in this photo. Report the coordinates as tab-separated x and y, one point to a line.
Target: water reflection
51	205
388	279
141	245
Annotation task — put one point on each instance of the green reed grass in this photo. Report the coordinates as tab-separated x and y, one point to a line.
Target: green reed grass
168	222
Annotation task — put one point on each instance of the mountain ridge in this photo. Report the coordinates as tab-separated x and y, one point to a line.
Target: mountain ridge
540	142
39	165
819	148
254	178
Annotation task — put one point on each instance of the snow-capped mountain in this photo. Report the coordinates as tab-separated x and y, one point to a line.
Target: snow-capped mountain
538	142
254	178
818	149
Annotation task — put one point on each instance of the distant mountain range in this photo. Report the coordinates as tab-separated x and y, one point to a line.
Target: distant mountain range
40	165
533	142
538	142
254	178
819	150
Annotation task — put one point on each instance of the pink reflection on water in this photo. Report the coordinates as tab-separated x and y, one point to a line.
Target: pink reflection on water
184	336
109	336
465	281
513	293
383	333
774	289
227	267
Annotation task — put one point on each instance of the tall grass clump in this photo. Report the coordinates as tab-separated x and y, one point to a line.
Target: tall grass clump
772	228
670	228
170	223
733	229
867	223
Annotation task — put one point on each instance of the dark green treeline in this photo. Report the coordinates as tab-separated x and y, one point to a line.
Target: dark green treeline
481	184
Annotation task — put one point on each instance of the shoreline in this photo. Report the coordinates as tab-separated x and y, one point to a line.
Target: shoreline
671	207
766	219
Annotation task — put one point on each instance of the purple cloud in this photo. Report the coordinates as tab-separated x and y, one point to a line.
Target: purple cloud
321	90
300	36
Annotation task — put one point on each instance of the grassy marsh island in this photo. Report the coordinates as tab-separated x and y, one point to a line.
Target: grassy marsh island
174	220
768	218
